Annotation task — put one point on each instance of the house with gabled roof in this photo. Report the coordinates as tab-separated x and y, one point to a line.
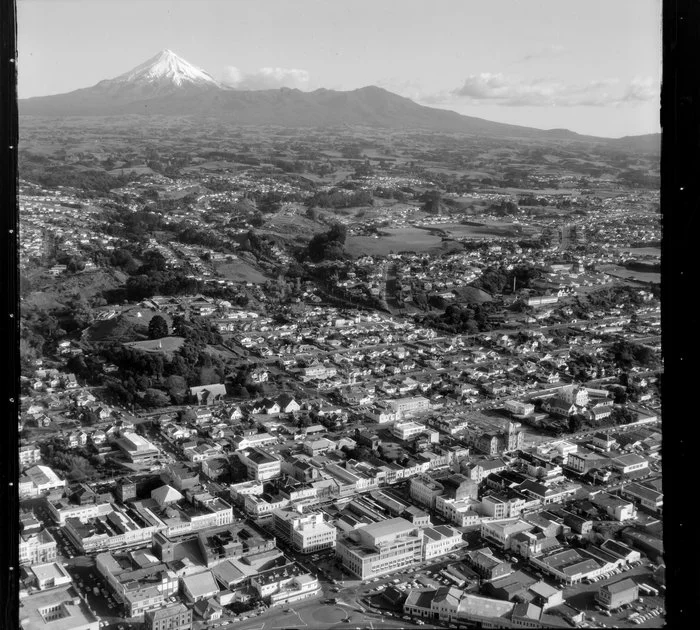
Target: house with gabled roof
558	407
287	404
208	394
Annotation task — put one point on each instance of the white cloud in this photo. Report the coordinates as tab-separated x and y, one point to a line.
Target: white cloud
266	78
545	92
641	89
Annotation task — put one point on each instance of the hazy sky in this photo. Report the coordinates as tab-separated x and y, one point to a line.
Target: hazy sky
592	66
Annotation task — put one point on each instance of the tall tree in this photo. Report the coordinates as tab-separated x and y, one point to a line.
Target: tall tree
157	327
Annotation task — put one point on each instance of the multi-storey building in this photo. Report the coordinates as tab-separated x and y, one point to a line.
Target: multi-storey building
308	533
407	430
36	547
261	465
38	480
381	548
29	454
612	596
502	505
173	617
406	406
424	490
501	531
136	448
62	510
439	540
137	580
284	585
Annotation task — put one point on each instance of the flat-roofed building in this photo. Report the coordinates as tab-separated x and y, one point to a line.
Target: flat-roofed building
502	505
381	548
137	448
407	406
184	517
569	566
501	531
407	430
612	596
286	584
199	586
120	527
38	480
519	408
37	547
424	490
440	540
62	510
29	454
49	575
235	541
307	533
452	607
138	579
56	609
261	465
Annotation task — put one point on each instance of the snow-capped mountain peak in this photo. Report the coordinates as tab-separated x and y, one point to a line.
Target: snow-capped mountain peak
167	68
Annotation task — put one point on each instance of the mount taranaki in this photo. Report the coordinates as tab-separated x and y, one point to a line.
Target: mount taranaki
167	85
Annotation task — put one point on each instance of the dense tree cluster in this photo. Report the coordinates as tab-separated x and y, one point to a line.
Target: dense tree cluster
459	319
531	200
76	465
241	382
431	200
132	226
504	208
198	236
172	282
40	330
497	280
627	354
327	245
336	198
156	380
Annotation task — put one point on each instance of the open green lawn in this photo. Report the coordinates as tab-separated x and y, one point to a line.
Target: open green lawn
399	239
166	345
241	271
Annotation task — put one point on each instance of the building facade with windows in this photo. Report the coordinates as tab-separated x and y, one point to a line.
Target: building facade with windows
175	617
381	548
37	547
307	533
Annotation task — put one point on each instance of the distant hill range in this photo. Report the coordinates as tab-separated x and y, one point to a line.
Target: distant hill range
168	85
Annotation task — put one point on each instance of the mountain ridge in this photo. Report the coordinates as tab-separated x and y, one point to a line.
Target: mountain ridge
166	84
